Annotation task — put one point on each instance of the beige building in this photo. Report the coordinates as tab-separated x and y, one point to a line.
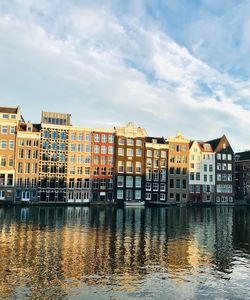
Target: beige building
9	119
178	161
27	161
79	166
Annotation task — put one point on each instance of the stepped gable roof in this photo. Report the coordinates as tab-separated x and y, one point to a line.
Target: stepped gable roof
8	110
243	155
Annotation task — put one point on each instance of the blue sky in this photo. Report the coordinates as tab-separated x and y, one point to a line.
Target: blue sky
166	65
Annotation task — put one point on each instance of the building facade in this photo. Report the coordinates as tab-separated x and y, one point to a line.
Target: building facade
156	163
178	163
242	176
9	120
129	163
102	165
53	165
27	161
201	172
78	181
224	170
55	162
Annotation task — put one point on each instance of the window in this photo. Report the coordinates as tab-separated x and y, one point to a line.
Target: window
210	168
148	174
129	167
104	138
130	142
121	141
191	175
104	149
3	144
138	181
80	136
73	136
224	156
11	161
198	176
130	152
2	195
138	152
218	177
163	175
163	187
205	168
191	189
178	159
103	160
155	187
218	156
120	166
103	171
148	196
129	181
87	170
149	153
110	150
162	197
184	183
156	175
148	186
96	149
10	181
171	171
120	181
224	167
138	167
5	116
205	177
3	161
178	183
218	167
163	154
229	167
139	143
229	156
211	178
156	163
111	138
184	171
97	137
4	129
149	162
121	151
87	137
137	194
88	148
171	183
119	194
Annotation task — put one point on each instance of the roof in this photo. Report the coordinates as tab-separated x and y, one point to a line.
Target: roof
9	110
214	143
160	140
35	127
243	155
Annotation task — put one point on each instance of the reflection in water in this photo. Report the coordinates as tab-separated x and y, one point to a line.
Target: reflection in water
59	252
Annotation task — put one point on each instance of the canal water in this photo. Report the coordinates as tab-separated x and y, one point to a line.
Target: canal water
130	253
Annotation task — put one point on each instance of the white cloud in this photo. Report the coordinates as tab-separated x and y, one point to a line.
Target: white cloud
105	71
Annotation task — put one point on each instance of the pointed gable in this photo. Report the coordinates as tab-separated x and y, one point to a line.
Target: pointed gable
221	143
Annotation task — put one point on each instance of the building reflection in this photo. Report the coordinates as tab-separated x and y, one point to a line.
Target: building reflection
45	251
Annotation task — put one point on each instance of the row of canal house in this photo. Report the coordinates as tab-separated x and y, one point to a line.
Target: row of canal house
56	162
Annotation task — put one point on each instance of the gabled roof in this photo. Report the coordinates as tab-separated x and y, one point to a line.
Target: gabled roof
219	142
8	110
214	143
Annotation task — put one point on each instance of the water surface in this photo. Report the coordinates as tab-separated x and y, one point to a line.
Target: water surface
115	253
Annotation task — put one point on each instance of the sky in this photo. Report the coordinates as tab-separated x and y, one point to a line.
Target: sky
165	65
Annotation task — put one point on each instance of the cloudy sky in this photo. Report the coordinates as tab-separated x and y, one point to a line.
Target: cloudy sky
166	65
